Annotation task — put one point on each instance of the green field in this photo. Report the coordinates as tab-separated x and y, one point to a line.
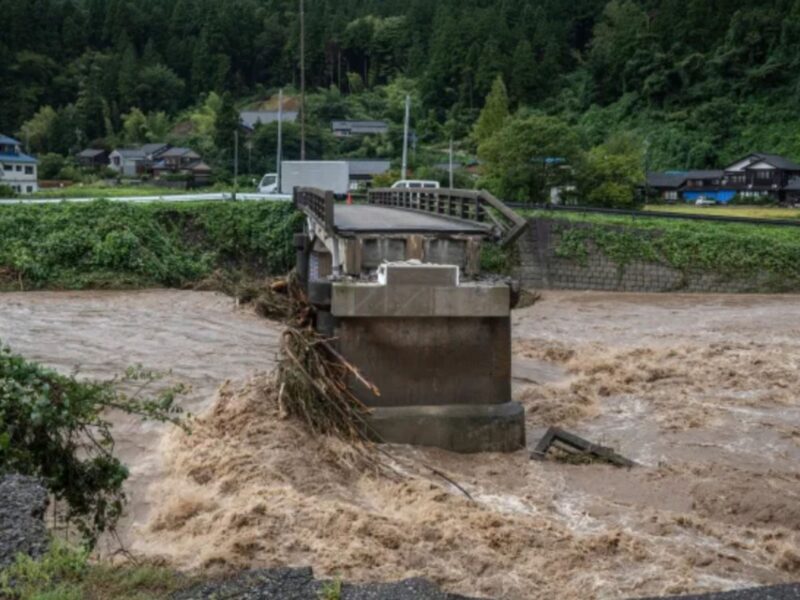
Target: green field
752	212
102	191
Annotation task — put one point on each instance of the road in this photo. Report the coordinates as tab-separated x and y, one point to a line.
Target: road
215	197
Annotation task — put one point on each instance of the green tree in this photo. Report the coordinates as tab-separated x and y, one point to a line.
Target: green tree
528	156
494	113
611	173
38	130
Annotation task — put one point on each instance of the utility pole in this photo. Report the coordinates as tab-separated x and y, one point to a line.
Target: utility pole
451	163
405	138
279	153
302	82
235	163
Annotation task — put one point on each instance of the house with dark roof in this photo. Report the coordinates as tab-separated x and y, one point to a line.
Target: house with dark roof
353	128
757	175
362	170
17	169
92	158
182	163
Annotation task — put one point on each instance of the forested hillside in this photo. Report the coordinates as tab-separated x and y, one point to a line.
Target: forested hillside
692	82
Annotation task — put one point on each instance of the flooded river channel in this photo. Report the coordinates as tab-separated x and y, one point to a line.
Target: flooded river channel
703	391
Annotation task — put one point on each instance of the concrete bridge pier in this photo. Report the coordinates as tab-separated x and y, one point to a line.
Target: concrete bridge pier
399	293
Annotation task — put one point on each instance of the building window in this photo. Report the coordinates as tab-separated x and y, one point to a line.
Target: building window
8	167
763	175
29	189
28	170
19	168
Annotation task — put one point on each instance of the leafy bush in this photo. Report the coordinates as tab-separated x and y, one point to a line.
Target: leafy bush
105	244
7	191
53	427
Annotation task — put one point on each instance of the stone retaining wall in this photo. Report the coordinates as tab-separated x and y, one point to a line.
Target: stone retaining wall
540	267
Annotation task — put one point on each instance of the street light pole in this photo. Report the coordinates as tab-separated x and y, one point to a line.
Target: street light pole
235	163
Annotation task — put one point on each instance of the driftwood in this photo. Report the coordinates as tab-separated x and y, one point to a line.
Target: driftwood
577	446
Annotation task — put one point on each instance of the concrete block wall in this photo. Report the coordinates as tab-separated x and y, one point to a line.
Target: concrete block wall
541	268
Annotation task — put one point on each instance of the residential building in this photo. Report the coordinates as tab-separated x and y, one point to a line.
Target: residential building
92	158
128	162
183	162
362	170
17	169
755	176
250	118
356	128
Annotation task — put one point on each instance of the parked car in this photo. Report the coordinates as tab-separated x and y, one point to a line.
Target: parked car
705	202
415	183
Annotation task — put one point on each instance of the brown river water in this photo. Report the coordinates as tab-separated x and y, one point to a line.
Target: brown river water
702	391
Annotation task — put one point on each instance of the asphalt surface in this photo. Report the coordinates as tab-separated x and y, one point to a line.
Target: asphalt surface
382	219
299	584
23	501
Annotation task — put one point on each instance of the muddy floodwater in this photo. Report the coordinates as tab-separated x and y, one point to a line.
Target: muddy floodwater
703	391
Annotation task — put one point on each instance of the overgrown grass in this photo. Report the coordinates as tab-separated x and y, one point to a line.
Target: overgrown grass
768	255
100	191
751	212
114	245
66	573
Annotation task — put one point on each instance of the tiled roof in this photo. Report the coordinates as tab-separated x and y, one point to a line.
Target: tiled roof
5	140
17	158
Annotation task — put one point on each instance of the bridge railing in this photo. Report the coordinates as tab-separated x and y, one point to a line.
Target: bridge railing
317	203
478	206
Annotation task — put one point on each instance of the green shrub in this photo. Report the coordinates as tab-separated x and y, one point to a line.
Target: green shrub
107	244
53	427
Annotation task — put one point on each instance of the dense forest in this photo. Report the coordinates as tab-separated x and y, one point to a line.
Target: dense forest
677	83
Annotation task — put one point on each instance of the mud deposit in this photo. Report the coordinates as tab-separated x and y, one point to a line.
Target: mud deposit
702	391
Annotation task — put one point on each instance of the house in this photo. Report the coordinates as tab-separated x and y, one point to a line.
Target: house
354	128
757	175
127	162
17	169
92	158
250	118
363	170
183	163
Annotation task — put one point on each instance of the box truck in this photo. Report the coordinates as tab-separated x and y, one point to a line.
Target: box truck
333	175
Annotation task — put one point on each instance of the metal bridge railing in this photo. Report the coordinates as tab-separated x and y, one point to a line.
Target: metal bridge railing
470	205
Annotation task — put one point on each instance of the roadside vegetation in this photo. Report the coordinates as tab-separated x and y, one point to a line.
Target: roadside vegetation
66	572
768	255
112	245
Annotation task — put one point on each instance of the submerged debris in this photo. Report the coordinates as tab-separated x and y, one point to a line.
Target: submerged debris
578	449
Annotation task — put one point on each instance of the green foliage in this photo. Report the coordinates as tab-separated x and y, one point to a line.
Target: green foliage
106	244
66	573
50	165
494	113
770	256
331	590
519	157
610	174
53	427
7	191
495	259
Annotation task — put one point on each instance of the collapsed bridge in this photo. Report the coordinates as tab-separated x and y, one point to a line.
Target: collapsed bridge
397	285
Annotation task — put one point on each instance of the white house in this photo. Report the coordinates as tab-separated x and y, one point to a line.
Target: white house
17	169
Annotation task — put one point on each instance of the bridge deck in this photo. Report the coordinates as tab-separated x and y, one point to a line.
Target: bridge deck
381	219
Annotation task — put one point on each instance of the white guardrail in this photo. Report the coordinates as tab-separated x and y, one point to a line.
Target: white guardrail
216	197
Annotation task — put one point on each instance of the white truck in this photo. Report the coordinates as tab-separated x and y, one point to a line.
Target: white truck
333	175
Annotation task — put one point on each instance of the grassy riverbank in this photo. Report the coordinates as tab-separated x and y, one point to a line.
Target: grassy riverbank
114	245
769	255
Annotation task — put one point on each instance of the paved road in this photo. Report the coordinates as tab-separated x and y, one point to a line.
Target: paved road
221	196
366	218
